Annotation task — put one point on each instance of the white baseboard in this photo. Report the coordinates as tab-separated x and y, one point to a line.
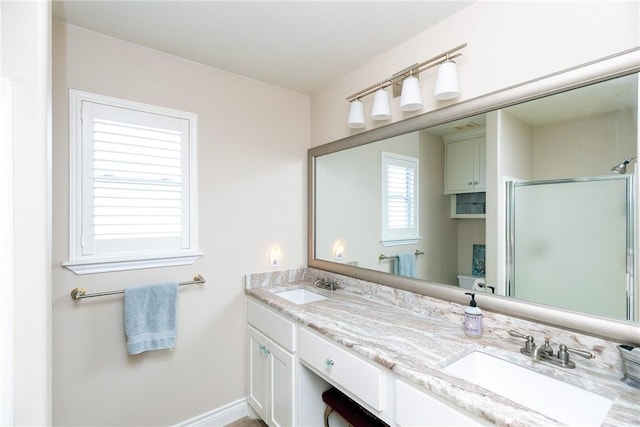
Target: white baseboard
220	416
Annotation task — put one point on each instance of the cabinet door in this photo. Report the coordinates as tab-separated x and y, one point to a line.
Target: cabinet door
271	380
459	166
282	367
258	373
480	166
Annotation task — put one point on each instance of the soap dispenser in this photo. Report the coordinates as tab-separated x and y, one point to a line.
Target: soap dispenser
472	318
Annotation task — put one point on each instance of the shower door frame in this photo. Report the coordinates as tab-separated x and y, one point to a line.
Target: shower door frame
630	234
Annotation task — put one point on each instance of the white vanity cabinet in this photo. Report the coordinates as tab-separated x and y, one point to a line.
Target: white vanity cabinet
415	407
272	365
465	165
291	365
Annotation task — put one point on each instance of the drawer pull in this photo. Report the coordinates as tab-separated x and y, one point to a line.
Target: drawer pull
329	363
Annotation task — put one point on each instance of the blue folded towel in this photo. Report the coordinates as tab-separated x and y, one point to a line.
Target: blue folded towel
150	317
405	265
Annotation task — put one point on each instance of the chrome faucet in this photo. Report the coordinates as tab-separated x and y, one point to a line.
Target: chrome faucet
323	283
537	351
545	353
540	351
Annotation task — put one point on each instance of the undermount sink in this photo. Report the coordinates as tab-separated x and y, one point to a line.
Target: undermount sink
300	296
556	399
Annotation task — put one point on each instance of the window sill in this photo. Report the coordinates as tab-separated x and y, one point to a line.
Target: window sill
401	242
105	265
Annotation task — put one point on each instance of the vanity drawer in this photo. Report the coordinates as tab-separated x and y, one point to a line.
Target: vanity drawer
276	327
361	378
417	408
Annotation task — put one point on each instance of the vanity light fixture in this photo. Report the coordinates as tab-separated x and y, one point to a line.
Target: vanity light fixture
622	167
447	87
356	114
381	109
411	98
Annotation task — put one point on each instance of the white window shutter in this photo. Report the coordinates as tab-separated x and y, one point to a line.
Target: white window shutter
399	199
137	182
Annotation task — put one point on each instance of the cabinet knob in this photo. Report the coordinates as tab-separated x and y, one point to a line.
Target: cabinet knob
469	183
329	363
264	350
475	182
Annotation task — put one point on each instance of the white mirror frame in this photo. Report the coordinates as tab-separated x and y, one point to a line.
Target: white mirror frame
613	66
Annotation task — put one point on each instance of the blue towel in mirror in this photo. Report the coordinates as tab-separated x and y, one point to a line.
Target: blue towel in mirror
405	265
150	317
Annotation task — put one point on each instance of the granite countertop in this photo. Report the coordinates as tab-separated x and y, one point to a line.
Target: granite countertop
417	336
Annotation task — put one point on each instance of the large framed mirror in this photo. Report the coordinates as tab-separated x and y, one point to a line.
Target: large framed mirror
438	204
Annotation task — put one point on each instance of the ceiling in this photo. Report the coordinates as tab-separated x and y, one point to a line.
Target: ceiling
297	45
604	97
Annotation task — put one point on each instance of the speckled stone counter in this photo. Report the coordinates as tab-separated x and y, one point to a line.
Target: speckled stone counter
416	336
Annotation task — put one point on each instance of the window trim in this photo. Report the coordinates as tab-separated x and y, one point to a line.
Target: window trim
88	264
398	239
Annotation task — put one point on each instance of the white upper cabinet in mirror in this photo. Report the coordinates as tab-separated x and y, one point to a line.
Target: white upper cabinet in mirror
571	126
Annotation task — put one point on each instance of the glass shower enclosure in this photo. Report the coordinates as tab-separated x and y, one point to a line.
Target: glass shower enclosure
570	244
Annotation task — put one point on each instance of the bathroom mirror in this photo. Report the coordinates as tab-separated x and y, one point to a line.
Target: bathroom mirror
577	124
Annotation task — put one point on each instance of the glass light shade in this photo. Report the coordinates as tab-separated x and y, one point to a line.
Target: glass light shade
356	114
447	83
410	99
381	108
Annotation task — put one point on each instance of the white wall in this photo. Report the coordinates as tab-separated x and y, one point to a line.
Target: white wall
252	141
6	252
508	43
510	154
437	229
584	147
25	255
